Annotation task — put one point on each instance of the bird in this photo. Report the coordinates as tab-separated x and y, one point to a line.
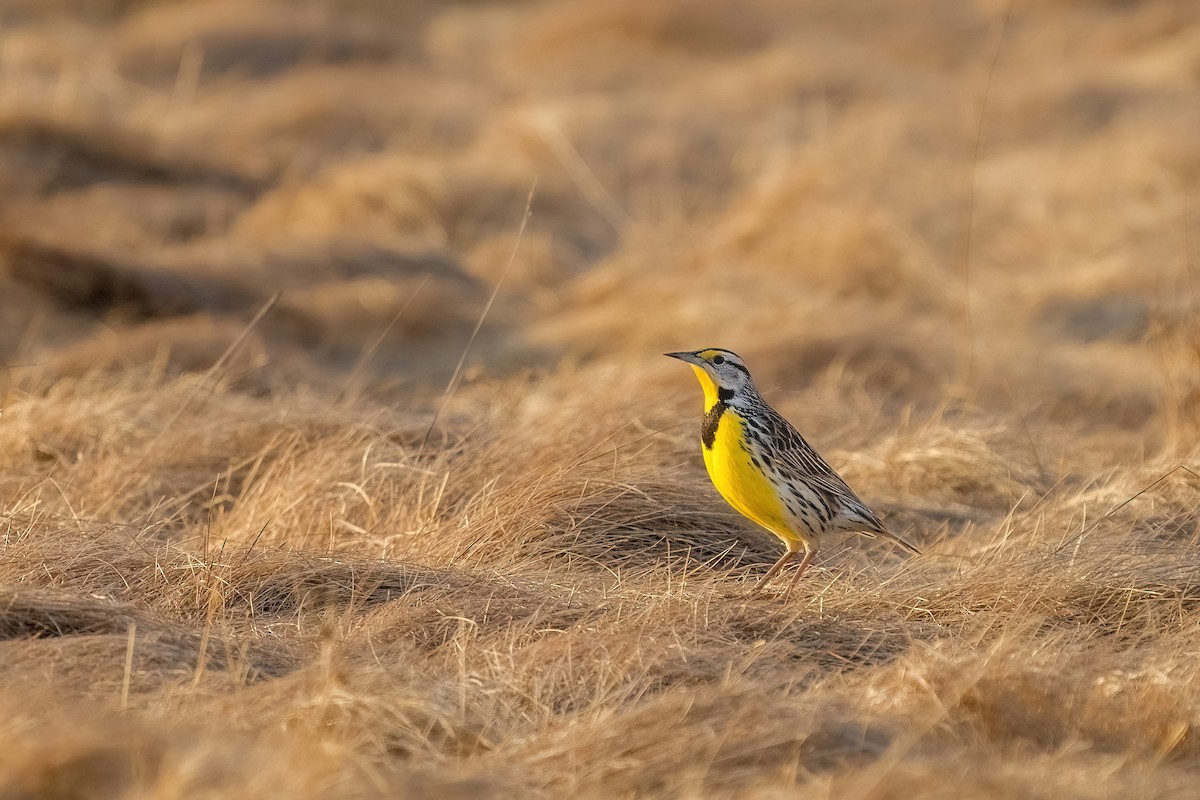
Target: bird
766	470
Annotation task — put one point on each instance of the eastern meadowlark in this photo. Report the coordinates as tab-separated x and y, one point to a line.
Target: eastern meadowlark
765	469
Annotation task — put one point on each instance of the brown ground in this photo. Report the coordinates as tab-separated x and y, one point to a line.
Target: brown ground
957	248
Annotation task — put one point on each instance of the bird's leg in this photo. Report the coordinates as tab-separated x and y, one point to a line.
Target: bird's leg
778	565
808	557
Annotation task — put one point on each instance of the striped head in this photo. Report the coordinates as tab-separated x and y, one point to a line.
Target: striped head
723	376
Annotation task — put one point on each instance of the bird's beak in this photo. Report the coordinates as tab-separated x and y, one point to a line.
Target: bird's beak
690	358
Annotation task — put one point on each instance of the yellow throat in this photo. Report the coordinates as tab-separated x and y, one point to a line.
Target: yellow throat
708	385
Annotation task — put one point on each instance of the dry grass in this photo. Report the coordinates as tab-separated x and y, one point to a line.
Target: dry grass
237	561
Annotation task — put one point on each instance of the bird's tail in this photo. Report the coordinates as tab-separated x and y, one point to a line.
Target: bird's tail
861	520
895	539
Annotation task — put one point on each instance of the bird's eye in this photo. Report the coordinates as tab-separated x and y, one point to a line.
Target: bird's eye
718	360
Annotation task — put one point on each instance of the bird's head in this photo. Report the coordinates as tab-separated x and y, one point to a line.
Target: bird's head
722	374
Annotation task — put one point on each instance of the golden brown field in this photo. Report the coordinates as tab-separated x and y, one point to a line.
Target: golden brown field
244	245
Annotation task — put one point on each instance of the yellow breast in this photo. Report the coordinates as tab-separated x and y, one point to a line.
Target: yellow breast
743	485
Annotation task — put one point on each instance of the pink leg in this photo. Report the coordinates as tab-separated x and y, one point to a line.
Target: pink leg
778	565
808	557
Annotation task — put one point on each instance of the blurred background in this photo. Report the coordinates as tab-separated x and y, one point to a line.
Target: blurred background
928	201
245	243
